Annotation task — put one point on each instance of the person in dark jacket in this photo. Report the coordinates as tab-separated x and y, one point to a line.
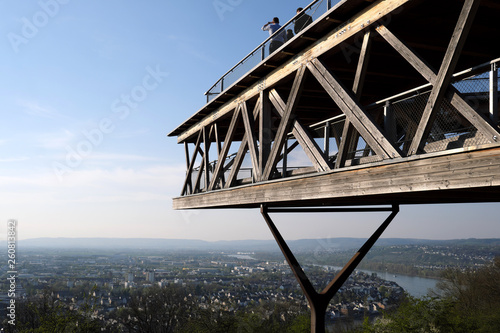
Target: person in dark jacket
302	21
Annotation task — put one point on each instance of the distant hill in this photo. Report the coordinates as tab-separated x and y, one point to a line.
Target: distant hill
325	244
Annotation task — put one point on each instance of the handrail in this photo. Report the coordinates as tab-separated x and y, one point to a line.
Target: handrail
457	76
414	91
260	47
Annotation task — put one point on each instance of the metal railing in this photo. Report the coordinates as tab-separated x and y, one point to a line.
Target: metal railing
401	115
315	9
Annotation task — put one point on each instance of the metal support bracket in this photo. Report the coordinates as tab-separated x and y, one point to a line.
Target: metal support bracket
318	302
494	94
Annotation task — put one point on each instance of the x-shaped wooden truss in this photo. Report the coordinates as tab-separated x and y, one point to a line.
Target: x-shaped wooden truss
265	150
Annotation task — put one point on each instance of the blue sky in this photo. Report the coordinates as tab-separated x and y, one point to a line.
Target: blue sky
89	91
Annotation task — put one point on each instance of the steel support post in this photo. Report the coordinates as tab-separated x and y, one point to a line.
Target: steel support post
318	302
326	145
494	93
389	121
285	158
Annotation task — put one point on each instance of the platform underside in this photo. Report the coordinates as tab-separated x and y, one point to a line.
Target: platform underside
461	177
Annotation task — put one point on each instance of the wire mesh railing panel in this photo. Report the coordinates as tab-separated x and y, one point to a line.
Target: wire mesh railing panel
474	85
360	152
451	130
407	114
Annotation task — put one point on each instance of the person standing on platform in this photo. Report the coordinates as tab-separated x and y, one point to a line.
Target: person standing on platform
276	40
302	21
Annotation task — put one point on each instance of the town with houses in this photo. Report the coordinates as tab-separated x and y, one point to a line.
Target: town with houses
221	281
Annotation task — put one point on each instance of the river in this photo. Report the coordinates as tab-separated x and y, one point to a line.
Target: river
414	285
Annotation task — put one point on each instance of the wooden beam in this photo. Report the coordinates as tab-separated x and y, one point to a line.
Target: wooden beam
363	123
206	159
191	165
409	55
238	159
347	138
447	176
285	123
201	169
445	73
429	74
472	116
336	135
288	149
364	56
265	131
240	155
225	149
249	125
189	188
204	169
304	138
219	150
350	137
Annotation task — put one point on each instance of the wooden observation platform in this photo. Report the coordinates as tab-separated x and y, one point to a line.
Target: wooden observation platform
384	102
387	100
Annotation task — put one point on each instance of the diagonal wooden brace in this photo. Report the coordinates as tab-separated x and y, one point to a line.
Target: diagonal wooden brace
452	94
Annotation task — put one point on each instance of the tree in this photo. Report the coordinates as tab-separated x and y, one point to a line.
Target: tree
45	313
466	301
208	321
474	296
158	310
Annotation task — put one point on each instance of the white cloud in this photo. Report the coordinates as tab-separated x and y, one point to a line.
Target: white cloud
122	157
36	109
121	202
120	185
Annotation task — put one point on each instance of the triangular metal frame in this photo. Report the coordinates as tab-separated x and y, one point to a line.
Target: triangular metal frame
318	302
